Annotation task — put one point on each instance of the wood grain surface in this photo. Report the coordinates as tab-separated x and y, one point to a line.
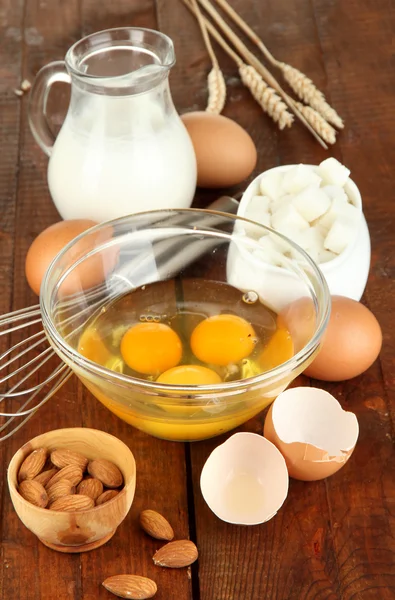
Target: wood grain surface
333	539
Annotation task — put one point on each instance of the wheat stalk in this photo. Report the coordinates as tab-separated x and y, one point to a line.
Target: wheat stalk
307	91
215	80
251	59
266	96
326	131
303	87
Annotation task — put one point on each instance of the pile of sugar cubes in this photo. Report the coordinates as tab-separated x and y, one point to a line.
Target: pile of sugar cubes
309	206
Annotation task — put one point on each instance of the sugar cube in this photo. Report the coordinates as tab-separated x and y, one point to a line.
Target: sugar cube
257	208
288	219
333	172
326	220
280	244
325	256
311	203
298	178
270	184
334	191
312	238
267	242
281	202
340	235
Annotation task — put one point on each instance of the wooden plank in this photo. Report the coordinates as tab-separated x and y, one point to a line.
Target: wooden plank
11	17
362	500
292	555
47	32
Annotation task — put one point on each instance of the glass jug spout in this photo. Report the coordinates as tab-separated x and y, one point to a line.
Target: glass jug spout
121	61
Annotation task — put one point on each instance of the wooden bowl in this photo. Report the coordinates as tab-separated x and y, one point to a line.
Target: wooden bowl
77	531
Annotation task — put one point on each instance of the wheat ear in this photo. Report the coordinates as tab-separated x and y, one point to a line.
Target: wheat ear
216	91
326	131
251	59
307	91
303	87
266	96
215	80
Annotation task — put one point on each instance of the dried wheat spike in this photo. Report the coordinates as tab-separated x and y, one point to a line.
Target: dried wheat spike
322	127
216	91
306	90
266	96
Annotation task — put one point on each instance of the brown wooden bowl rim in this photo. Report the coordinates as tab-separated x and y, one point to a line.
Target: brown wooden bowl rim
87	511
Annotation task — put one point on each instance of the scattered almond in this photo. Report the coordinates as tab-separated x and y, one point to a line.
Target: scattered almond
33	464
33	492
60	488
156	525
106	472
106	496
72	503
131	586
71	472
90	487
45	476
176	555
63	458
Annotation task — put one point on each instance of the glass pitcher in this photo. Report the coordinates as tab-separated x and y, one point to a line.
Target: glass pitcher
122	148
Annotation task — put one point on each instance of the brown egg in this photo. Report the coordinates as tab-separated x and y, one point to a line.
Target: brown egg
300	319
225	153
53	239
312	431
351	343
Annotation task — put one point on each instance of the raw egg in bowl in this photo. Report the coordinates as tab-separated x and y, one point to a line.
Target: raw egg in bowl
170	341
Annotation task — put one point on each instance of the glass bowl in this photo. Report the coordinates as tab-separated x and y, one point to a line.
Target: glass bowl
170	257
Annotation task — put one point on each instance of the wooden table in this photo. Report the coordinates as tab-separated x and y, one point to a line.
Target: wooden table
333	539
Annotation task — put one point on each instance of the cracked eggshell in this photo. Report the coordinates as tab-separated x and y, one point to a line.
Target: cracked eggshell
245	480
312	431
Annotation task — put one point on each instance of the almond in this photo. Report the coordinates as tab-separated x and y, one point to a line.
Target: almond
106	471
106	496
131	586
45	476
60	488
71	472
175	555
90	487
33	492
33	464
63	457
72	503
156	525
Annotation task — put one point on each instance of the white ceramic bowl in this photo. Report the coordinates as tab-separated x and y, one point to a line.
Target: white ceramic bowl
347	274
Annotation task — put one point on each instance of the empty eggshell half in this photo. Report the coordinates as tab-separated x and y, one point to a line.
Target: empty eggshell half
312	431
245	480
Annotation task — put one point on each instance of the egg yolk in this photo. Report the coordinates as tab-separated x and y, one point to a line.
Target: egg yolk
222	339
151	348
279	349
189	375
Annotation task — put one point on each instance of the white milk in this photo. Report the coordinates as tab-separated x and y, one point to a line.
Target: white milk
120	155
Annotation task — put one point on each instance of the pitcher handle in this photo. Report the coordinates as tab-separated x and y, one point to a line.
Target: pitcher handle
38	120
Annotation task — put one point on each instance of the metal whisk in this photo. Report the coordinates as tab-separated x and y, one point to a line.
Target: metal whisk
29	398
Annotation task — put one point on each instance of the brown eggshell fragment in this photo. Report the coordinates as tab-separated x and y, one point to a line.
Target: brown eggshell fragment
312	431
225	153
351	344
